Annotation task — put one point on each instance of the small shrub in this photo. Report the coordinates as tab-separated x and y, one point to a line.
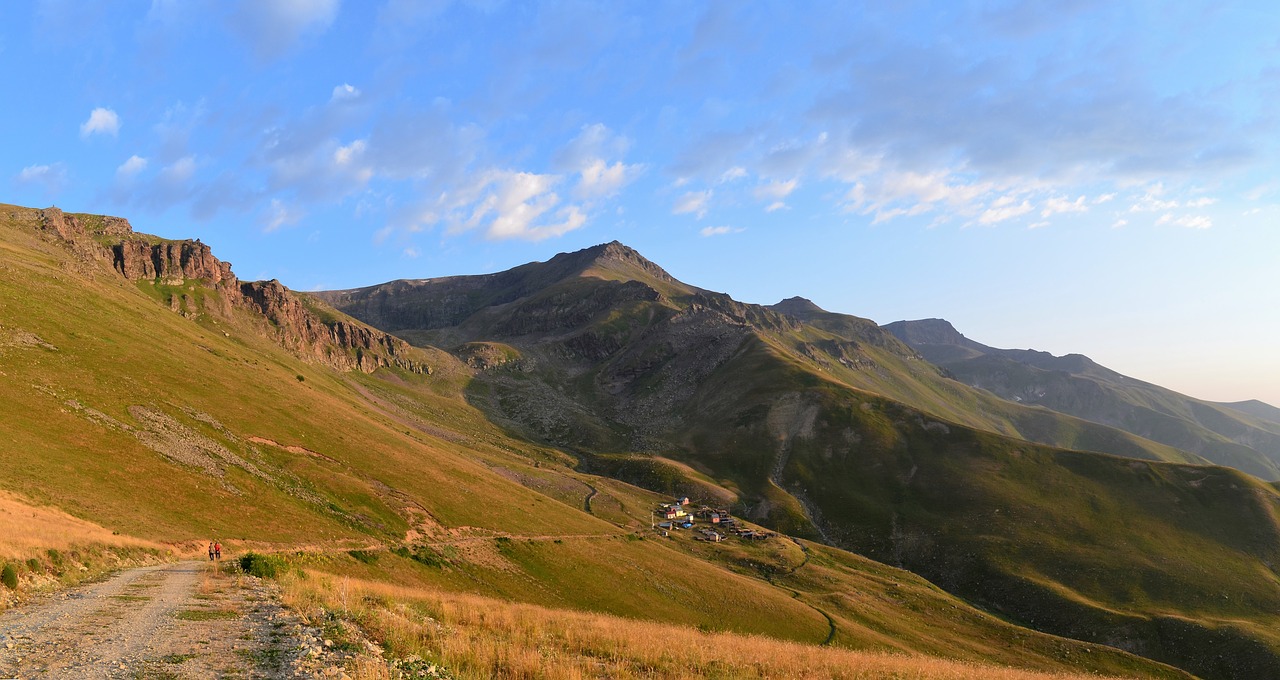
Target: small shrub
428	557
300	378
364	556
35	566
262	566
9	577
55	557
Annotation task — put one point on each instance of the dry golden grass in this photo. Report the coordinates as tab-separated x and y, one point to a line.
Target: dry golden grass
26	529
478	637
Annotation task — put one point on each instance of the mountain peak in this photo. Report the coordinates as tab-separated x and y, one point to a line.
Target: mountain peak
927	332
798	307
613	257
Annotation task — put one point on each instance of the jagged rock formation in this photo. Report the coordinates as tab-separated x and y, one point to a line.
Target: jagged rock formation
316	334
302	331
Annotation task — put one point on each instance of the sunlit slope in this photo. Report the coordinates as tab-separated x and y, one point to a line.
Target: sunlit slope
168	427
186	426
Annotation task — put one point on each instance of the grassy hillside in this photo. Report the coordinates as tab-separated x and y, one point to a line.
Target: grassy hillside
179	426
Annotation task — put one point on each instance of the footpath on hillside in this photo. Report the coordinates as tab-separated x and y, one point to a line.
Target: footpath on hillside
167	621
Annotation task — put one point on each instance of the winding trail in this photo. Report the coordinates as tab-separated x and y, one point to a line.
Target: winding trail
170	621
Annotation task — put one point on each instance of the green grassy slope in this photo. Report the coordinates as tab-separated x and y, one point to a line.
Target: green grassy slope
181	428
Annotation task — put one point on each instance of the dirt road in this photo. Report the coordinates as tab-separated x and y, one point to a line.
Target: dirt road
169	621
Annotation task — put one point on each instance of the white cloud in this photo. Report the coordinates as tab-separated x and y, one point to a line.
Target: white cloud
1004	208
895	194
131	167
600	180
1038	225
1119	223
589	155
776	206
344	92
1188	221
1058	204
279	215
735	173
508	205
1200	202
775	190
1105	198
694	202
411	252
719	231
101	122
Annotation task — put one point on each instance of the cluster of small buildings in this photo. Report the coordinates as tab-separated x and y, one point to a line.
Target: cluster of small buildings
677	515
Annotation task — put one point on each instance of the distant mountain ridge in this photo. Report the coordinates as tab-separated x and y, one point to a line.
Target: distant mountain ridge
1245	436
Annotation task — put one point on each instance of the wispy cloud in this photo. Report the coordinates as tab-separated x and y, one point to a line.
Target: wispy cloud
49	177
1057	205
1188	221
274	27
719	231
279	215
775	190
693	202
1004	208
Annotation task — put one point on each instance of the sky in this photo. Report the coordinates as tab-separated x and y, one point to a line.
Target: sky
1074	176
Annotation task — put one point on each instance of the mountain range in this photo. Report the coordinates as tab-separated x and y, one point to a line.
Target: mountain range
928	510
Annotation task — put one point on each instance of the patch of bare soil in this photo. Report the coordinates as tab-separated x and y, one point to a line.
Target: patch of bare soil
169	621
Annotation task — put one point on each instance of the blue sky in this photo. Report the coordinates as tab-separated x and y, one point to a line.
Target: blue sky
1076	176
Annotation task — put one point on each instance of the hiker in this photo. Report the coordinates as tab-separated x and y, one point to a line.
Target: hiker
210	551
217	551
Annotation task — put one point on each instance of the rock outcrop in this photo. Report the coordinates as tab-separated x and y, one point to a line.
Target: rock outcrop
169	262
326	341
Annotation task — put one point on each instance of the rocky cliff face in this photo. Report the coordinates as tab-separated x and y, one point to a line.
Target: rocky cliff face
169	262
326	341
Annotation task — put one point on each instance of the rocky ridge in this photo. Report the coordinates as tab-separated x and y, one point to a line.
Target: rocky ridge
317	335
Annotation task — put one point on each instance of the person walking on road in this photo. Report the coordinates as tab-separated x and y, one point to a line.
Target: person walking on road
217	551
210	551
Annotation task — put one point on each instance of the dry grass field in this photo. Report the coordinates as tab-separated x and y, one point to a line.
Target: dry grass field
467	636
